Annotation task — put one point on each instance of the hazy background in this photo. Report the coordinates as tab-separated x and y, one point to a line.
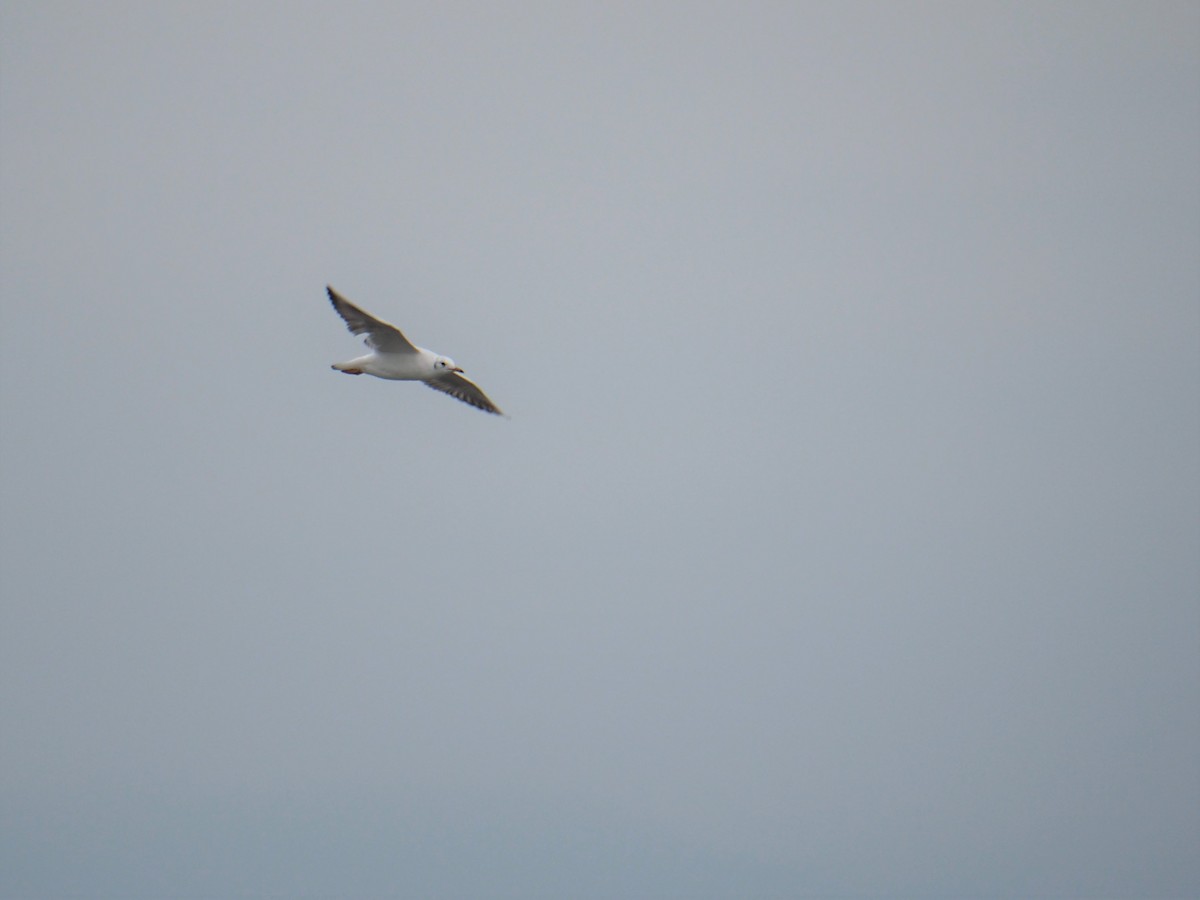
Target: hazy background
844	536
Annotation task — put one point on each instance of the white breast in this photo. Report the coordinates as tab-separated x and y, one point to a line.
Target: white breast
401	366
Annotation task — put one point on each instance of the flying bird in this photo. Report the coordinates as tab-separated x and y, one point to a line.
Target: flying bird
392	356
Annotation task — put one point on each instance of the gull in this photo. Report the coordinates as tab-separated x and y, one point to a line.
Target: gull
392	356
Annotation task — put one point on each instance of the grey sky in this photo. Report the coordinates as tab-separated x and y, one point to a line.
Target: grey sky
843	539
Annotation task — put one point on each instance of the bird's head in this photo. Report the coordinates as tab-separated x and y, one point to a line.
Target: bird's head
445	364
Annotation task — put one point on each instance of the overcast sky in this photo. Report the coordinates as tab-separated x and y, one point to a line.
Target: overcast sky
843	539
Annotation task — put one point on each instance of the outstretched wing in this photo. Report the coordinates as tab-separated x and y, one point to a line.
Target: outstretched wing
379	335
462	389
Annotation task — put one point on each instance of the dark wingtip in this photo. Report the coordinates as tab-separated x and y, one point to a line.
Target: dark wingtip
335	298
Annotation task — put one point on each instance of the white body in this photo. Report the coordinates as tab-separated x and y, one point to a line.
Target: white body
419	366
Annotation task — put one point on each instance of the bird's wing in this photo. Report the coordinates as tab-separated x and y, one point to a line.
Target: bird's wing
379	335
462	389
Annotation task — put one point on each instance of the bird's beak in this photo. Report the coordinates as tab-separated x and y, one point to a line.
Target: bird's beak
456	369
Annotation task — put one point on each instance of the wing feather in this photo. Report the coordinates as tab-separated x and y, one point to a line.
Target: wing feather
379	335
465	390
